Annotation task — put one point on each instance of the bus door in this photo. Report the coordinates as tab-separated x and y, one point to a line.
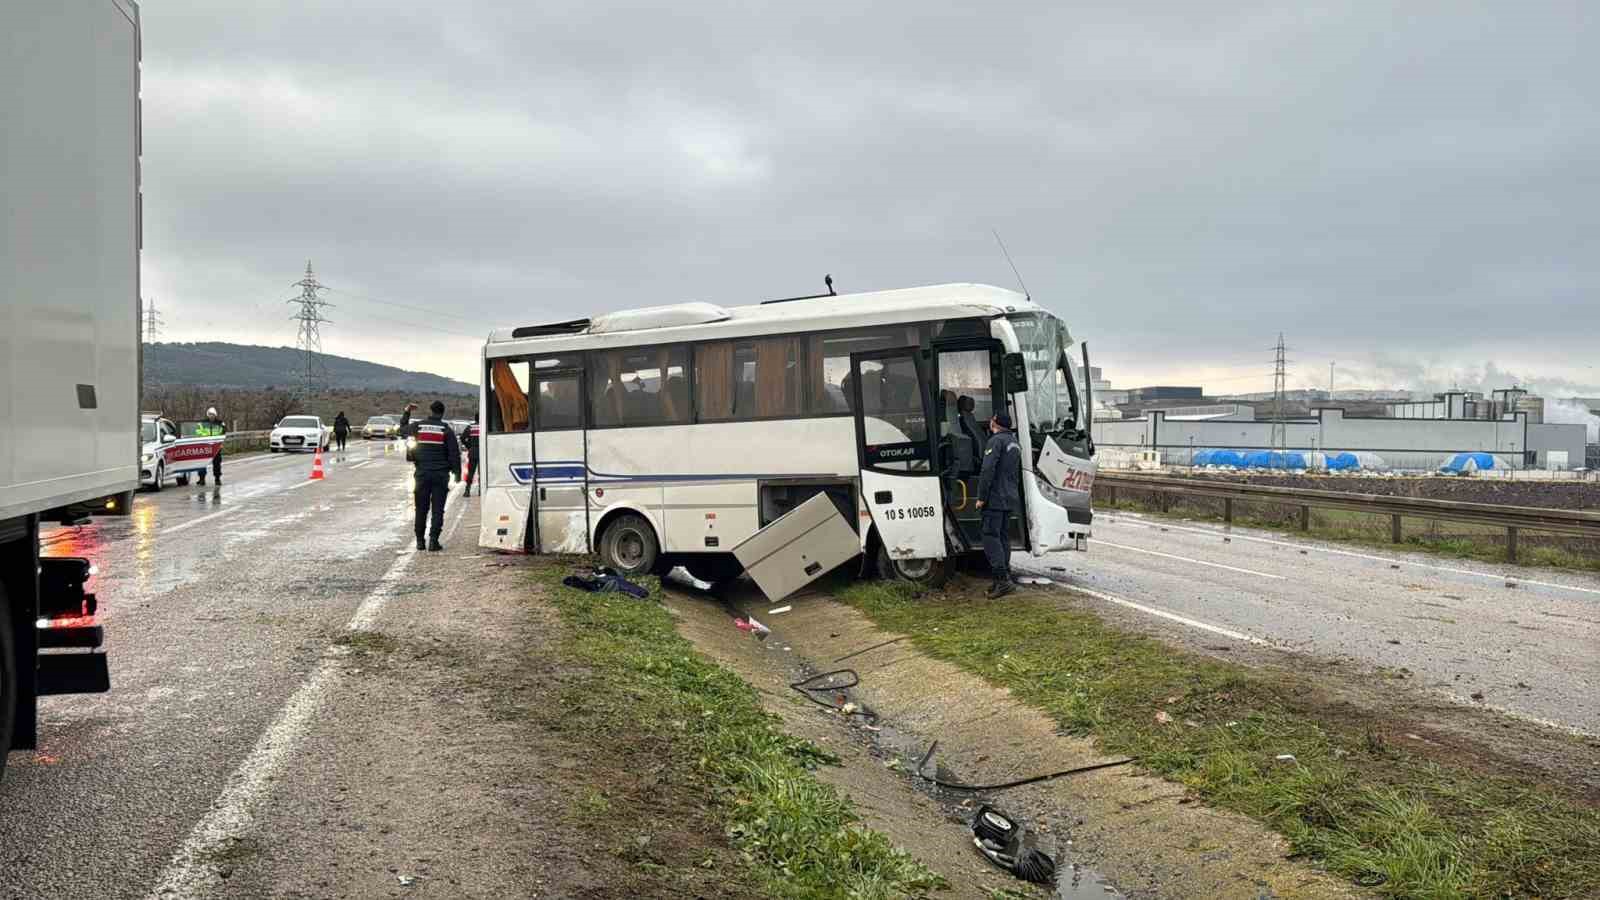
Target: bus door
505	467
963	401
896	447
560	458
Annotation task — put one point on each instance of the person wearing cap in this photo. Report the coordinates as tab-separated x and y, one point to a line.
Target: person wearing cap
212	426
999	495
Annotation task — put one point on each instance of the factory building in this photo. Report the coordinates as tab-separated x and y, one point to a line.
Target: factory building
1417	436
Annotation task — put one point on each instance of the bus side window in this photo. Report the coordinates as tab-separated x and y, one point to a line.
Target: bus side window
828	355
639	386
558	404
508	396
759	378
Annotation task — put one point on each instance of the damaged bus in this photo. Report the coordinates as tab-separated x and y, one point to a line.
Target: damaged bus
665	436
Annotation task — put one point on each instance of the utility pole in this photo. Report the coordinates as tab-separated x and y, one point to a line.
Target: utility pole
1330	382
309	338
1280	375
152	322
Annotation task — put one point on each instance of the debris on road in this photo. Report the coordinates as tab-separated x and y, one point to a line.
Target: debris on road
1163	718
605	580
751	626
780	610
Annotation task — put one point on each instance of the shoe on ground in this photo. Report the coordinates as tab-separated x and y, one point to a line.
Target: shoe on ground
1001	589
435	546
421	545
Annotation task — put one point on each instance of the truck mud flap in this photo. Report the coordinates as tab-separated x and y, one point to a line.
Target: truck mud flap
73	673
798	547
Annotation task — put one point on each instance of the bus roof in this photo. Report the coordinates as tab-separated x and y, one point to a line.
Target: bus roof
706	321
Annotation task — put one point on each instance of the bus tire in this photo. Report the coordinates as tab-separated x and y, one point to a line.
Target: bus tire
925	572
629	545
8	679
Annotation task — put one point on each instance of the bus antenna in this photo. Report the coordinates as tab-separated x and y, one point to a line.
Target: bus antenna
828	280
1013	265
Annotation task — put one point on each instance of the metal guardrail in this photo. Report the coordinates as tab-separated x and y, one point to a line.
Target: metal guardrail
245	440
1511	518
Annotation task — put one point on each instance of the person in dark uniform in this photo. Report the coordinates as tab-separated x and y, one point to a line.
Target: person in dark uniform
469	441
438	456
341	430
1000	495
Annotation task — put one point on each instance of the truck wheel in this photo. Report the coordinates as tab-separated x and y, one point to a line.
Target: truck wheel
926	572
630	546
8	680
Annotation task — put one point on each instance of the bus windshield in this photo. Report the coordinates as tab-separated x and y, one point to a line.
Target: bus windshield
1052	398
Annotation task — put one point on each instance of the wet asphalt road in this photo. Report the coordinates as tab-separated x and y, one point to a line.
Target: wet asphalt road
1532	650
216	605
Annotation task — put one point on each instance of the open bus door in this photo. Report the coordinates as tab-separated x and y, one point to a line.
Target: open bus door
896	447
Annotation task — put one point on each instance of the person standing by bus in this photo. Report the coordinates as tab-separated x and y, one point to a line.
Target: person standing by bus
438	456
469	443
1000	495
212	426
341	430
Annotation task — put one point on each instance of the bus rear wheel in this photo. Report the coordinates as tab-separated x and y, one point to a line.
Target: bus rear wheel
926	572
629	545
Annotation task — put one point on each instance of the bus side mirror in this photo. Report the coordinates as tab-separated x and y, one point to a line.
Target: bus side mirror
1014	369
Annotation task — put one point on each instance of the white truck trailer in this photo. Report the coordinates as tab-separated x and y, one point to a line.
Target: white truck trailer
69	331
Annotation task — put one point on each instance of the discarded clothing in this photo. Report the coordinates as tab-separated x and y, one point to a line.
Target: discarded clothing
605	581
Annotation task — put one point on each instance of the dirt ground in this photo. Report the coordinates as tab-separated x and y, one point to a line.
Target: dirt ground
448	765
1141	836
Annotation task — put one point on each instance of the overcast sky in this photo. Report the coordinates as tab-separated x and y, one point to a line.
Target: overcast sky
1411	190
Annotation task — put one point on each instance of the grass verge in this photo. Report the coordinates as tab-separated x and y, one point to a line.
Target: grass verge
1459	541
1366	810
802	837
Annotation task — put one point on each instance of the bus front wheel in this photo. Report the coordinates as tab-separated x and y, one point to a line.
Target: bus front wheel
629	545
926	572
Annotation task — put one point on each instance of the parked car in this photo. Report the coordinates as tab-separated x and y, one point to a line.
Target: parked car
381	428
300	433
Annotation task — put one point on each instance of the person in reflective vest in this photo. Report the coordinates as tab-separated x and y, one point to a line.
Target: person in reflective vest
469	442
438	456
212	426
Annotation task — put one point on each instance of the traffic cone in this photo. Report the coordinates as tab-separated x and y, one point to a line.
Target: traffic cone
316	466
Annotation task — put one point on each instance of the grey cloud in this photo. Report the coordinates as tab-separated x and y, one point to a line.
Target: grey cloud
1180	181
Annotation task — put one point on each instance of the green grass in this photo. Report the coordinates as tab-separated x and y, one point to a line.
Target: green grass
802	836
1367	811
1461	541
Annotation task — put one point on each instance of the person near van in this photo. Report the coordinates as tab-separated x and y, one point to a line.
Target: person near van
438	456
469	442
999	496
341	430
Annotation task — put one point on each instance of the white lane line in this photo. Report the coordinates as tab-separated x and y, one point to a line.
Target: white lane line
193	871
1198	562
1512	576
1182	620
200	521
360	464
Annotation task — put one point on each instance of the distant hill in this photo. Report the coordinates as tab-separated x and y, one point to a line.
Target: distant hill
221	365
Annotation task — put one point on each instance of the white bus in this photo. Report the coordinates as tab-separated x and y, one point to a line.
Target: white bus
665	436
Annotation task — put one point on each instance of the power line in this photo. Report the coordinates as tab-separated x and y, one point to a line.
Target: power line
309	336
421	309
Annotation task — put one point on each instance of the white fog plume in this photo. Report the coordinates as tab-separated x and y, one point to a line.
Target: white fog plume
1573	412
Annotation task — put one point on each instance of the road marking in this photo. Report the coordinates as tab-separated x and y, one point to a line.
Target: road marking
360	464
200	521
1182	620
1198	562
1513	576
193	871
